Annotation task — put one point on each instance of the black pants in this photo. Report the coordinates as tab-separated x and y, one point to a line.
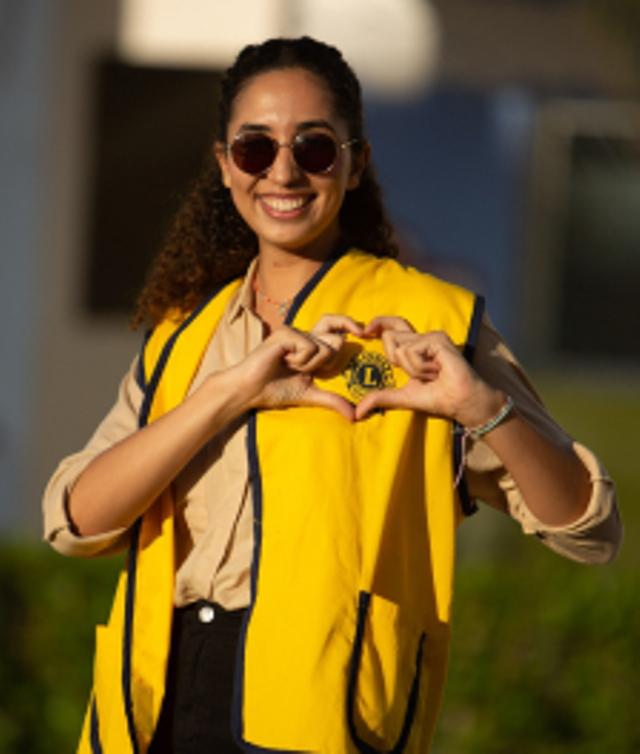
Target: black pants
196	713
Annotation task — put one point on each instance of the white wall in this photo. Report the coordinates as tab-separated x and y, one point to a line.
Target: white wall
59	368
25	54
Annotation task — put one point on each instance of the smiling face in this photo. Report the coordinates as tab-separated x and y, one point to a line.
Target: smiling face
288	208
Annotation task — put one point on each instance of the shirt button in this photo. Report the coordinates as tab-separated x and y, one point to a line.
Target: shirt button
206	614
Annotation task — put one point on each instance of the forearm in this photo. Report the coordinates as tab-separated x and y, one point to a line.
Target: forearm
122	482
552	480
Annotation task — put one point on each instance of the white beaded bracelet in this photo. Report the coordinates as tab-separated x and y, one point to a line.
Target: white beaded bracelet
477	432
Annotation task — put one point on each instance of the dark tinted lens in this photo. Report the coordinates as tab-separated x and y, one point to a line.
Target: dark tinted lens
315	153
253	153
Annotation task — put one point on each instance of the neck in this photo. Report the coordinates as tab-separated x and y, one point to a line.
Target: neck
282	276
282	273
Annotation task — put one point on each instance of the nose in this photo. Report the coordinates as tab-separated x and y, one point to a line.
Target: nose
284	170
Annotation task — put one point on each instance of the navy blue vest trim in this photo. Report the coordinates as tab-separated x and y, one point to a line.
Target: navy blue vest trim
127	638
152	385
255	480
94	729
467	503
237	722
132	560
309	286
354	668
474	329
141	378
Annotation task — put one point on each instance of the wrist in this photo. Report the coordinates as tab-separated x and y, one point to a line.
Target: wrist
485	404
479	431
225	395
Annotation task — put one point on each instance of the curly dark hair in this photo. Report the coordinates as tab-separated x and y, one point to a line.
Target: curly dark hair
208	242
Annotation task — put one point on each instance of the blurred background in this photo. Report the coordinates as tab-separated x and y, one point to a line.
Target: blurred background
506	134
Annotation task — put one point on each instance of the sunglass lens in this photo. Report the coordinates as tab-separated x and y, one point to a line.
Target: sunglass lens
315	153
253	153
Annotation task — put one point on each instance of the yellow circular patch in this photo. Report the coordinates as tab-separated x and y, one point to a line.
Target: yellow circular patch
367	371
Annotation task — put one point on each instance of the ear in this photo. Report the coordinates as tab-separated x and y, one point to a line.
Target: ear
360	160
222	156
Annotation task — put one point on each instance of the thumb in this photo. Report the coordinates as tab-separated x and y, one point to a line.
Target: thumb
315	396
390	398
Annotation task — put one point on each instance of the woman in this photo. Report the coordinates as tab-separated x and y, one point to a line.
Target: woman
280	461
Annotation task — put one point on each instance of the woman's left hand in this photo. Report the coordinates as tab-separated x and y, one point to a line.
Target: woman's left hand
441	381
551	478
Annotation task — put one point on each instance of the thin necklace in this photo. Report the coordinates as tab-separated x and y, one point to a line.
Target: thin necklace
282	306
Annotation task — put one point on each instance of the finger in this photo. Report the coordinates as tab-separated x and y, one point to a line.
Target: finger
392	340
404	362
333	364
264	363
315	396
390	344
301	345
301	348
299	353
432	351
311	358
378	399
422	362
439	340
333	340
338	323
379	324
416	359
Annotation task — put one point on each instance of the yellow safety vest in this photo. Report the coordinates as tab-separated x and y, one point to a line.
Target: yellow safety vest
344	646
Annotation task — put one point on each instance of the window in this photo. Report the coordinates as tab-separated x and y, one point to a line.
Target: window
152	129
582	272
600	271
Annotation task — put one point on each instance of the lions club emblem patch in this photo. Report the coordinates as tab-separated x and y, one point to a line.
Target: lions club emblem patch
367	371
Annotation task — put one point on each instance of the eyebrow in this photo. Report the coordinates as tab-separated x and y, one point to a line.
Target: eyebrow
303	126
315	124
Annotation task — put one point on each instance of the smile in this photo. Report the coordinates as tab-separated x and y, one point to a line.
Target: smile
281	206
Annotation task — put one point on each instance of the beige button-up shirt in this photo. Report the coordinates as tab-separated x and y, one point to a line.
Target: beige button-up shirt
214	536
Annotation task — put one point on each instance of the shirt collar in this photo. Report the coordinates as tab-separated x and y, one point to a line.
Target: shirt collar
243	301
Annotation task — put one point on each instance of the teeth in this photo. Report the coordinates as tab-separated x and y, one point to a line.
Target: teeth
284	205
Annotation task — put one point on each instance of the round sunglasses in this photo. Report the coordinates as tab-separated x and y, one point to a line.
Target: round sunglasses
255	153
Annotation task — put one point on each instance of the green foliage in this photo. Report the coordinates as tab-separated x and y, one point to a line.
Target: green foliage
49	606
544	651
543	659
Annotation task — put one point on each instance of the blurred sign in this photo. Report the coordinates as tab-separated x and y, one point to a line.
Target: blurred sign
392	44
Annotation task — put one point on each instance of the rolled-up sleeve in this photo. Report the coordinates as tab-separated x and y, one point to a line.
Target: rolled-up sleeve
596	536
59	530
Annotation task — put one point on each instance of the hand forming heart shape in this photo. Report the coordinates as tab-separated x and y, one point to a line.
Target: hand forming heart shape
441	382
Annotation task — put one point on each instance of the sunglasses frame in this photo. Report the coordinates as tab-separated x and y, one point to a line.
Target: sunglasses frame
340	146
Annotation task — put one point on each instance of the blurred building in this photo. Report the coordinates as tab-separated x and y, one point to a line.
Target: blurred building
519	172
510	163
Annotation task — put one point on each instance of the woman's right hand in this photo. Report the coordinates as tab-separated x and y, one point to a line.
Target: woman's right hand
279	372
121	482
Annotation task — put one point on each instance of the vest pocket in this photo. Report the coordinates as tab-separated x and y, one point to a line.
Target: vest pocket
384	676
